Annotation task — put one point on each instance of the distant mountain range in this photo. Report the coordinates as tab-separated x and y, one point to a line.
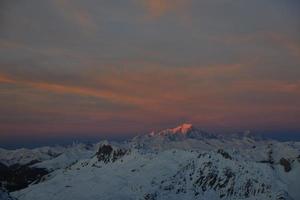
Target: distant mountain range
178	163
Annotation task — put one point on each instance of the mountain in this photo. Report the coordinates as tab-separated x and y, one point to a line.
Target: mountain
186	136
25	156
179	163
22	167
183	136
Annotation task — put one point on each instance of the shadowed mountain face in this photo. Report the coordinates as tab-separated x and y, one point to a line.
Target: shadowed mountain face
16	177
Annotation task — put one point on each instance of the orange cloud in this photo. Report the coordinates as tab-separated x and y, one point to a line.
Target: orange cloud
267	86
65	89
158	94
157	8
176	91
5	79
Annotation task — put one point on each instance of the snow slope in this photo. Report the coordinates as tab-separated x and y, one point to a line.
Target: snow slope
171	174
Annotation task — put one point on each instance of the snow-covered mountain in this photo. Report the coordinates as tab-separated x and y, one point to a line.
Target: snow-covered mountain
179	163
183	136
25	156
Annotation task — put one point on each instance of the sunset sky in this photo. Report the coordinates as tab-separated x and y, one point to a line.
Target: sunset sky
121	67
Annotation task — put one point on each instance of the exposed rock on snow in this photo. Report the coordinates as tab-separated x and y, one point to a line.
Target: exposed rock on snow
286	164
106	153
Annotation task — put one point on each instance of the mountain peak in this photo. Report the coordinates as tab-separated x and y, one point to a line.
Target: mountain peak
183	131
183	128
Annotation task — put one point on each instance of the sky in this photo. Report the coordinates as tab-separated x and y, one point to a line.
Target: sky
122	67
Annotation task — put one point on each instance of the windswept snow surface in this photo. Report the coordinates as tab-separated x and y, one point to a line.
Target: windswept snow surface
179	163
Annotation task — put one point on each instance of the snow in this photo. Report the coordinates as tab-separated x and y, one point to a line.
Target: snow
5	196
138	174
71	155
24	156
178	163
184	128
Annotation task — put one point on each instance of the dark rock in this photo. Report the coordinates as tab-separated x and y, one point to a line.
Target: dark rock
283	195
286	164
270	154
150	196
104	153
118	154
224	154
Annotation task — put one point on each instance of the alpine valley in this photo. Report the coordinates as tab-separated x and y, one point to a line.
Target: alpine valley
179	163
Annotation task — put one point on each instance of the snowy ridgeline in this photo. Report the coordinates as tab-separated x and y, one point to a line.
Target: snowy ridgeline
179	163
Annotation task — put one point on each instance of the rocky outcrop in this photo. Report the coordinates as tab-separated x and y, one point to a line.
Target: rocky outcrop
227	181
286	164
283	195
106	153
150	196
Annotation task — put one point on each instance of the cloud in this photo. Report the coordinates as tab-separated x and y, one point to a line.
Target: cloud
288	43
5	79
158	8
62	89
77	14
5	44
157	89
268	86
155	95
291	45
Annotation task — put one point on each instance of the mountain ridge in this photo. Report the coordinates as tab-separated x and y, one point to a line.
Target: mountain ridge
176	163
